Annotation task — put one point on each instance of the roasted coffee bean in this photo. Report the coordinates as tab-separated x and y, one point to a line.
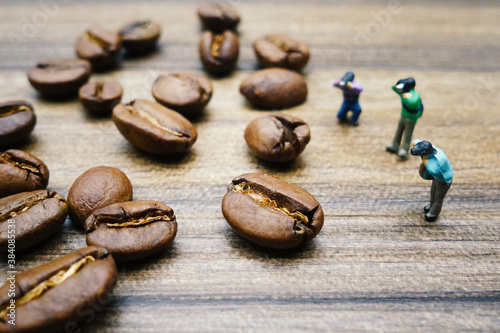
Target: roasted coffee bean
274	88
56	294
140	37
21	172
96	188
219	52
271	212
132	230
218	17
33	216
277	138
186	93
99	46
154	128
60	77
17	119
281	51
100	97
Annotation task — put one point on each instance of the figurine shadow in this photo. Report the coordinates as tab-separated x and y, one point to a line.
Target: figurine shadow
248	250
416	228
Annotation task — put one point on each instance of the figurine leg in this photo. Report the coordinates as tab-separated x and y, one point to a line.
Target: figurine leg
409	126
394	146
356	111
441	190
342	114
433	195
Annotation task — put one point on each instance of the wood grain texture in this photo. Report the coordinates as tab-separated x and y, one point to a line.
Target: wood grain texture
376	265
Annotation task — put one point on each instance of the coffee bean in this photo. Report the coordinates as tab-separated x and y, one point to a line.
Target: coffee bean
218	17
154	128
219	52
186	93
274	88
60	77
140	37
96	188
99	46
132	230
21	172
17	120
36	215
65	291
277	138
281	51
100	97
271	212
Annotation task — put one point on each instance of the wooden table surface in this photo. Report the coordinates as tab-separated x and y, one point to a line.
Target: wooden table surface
376	265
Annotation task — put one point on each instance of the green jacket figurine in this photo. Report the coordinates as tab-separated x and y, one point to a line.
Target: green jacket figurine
411	109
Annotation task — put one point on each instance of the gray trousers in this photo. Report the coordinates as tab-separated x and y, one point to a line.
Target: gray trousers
438	192
407	127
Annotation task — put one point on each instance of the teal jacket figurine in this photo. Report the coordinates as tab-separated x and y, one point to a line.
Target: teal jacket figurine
436	167
412	109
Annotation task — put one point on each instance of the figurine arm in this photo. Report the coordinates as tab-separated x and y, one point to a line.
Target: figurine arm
355	87
422	170
430	169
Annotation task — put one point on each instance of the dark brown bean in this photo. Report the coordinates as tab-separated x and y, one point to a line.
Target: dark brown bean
140	37
59	293
154	128
35	215
17	120
271	212
100	97
277	138
60	77
21	172
281	51
274	88
96	188
132	230
186	93
99	46
218	17
219	52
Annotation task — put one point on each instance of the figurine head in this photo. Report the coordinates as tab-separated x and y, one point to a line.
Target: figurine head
348	77
405	85
423	148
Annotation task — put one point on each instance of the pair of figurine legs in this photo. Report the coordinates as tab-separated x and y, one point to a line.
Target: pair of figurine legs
349	106
438	192
396	147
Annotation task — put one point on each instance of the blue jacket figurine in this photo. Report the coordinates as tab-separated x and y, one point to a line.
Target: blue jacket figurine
436	167
351	90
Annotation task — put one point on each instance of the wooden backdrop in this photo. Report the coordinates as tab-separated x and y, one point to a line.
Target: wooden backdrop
376	265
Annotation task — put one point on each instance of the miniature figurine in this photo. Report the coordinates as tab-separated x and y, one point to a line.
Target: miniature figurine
351	90
412	109
436	167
